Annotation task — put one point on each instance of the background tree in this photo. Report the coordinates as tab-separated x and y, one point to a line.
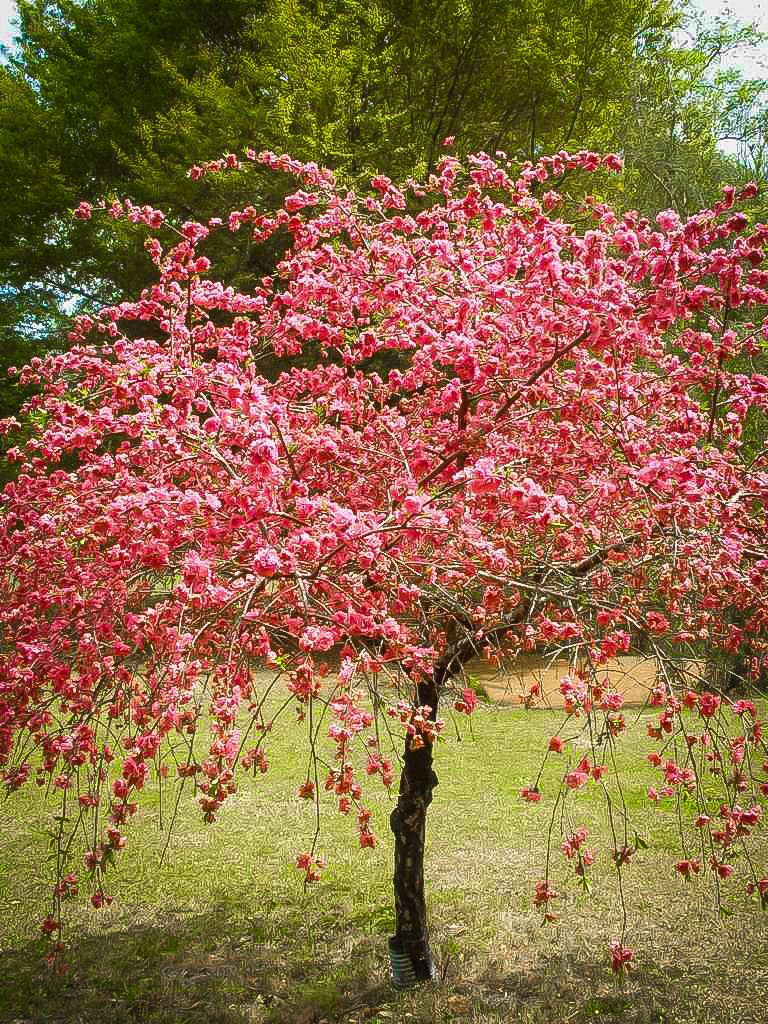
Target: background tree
545	469
682	110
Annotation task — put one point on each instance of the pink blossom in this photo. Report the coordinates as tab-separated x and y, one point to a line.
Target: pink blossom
298	200
413	504
612	702
687	868
621	957
744	707
576	779
721	869
467	704
266	562
544	894
708	704
573	844
531	794
543	471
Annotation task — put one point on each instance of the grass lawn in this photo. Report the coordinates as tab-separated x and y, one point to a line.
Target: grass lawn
222	930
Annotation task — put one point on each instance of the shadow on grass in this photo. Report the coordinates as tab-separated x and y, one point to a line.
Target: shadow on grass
300	963
223	966
575	988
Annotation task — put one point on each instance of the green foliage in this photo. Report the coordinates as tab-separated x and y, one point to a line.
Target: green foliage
681	112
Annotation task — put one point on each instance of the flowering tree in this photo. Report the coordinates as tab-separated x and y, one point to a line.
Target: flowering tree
553	462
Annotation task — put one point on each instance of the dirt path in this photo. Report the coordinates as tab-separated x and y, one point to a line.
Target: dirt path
632	677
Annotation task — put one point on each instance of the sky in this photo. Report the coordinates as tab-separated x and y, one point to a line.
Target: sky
7	11
754	64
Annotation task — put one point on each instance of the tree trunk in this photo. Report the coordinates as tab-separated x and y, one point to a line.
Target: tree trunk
417	781
408	824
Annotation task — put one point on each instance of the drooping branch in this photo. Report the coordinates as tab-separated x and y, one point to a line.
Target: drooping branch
465	648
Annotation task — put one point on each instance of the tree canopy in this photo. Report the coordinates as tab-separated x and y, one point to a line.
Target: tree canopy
557	465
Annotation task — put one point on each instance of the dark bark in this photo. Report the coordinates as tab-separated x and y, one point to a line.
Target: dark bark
408	819
408	824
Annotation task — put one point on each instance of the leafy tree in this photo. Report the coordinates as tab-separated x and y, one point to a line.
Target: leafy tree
681	110
541	470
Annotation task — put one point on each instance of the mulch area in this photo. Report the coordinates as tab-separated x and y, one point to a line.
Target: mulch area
632	677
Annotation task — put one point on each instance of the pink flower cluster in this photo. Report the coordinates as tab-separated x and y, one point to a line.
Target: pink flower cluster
542	470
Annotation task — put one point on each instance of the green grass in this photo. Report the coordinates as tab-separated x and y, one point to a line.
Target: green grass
222	930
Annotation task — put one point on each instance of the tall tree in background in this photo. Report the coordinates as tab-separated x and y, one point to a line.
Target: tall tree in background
685	118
